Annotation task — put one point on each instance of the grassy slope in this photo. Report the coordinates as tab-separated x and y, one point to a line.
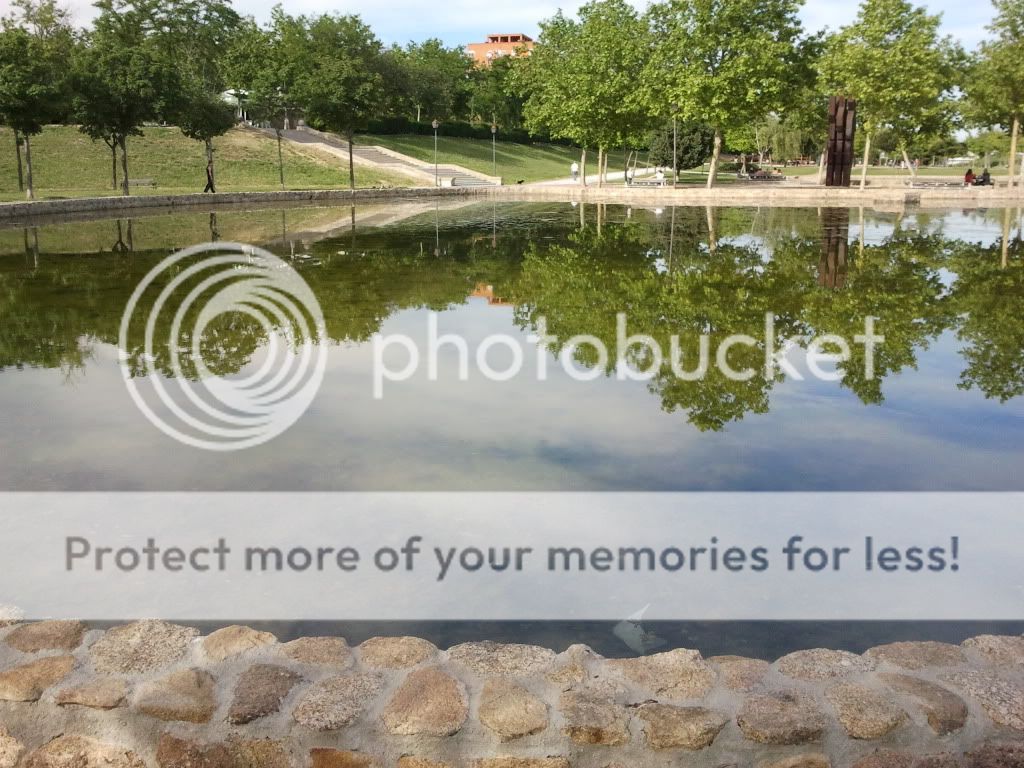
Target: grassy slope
68	164
529	162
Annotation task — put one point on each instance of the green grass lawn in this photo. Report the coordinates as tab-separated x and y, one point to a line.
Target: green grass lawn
529	162
67	163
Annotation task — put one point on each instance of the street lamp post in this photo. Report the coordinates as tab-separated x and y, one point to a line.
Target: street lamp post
494	149
436	125
675	146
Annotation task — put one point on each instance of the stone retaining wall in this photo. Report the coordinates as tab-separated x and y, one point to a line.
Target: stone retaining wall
157	694
172	203
739	195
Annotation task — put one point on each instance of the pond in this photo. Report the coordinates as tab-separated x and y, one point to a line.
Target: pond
943	412
944	409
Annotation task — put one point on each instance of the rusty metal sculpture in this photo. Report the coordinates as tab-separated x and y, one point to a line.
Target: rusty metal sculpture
842	117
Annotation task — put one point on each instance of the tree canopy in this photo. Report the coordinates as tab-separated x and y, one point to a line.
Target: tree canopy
724	63
893	62
995	83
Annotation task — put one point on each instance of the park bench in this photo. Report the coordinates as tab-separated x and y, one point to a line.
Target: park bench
648	182
141	182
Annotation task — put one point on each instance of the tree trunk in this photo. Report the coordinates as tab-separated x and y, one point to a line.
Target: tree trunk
712	228
112	143
30	190
209	163
821	169
125	189
1013	151
910	165
861	219
21	173
583	166
351	163
600	167
715	156
280	158
1006	238
867	155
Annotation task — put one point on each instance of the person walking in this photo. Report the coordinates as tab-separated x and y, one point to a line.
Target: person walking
574	169
209	178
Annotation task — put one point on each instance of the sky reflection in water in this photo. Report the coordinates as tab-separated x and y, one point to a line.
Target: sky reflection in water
947	414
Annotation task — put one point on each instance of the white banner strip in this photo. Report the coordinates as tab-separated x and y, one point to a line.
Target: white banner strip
514	556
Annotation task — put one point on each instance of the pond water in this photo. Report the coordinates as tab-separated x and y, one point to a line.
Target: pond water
945	410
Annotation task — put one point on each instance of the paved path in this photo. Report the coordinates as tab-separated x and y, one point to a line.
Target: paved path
403	164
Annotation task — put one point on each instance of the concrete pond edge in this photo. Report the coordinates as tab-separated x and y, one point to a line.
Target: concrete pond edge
782	195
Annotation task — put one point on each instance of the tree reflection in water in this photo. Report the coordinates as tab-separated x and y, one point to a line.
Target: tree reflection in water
687	272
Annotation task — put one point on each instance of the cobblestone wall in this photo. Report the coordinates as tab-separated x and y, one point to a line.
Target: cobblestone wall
157	694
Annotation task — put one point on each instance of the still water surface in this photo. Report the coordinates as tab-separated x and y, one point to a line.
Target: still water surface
945	411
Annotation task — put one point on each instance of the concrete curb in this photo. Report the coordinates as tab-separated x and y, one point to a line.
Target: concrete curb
115	205
740	196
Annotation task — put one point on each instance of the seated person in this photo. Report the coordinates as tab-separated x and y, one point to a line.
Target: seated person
969	178
985	180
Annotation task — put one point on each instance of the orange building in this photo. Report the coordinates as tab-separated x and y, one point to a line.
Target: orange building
516	44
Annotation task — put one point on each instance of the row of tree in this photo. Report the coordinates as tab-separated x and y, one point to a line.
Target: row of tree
144	61
747	72
683	79
151	60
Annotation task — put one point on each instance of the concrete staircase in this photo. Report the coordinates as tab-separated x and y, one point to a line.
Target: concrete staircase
389	160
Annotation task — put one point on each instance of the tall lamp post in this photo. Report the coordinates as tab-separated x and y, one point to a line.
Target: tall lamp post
494	149
675	146
435	125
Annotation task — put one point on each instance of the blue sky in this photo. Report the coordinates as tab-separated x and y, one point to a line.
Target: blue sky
464	21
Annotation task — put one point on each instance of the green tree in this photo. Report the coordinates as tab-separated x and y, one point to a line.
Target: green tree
725	63
203	115
196	35
340	77
893	62
582	76
122	78
494	96
35	41
259	70
437	79
693	143
995	84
